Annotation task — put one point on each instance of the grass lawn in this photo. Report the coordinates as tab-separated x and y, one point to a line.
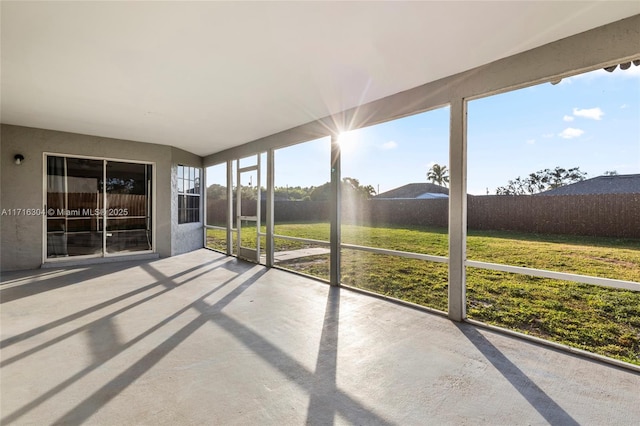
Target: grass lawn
601	320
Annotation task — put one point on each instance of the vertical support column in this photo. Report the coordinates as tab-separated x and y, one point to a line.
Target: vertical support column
238	208
105	206
229	207
457	210
203	197
270	193
258	206
335	206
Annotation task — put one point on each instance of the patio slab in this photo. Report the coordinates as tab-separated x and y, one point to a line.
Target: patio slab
202	339
283	256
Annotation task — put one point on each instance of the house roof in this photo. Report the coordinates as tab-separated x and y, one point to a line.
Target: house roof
415	190
617	184
208	76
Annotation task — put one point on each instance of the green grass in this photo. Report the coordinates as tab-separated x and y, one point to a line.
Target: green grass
598	319
416	281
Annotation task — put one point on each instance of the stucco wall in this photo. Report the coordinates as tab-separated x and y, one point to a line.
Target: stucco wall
21	186
187	236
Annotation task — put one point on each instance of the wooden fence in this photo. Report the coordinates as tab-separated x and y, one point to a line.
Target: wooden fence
605	215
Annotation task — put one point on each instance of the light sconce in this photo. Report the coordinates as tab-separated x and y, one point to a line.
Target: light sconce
18	159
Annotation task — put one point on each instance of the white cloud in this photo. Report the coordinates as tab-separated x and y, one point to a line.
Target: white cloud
547	135
623	106
531	141
389	145
592	113
570	133
568	118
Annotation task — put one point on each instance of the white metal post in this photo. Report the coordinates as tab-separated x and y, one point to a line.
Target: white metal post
457	210
335	206
258	207
270	203
238	206
229	207
203	197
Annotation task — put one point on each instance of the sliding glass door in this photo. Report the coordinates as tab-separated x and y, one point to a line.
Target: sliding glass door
128	212
85	197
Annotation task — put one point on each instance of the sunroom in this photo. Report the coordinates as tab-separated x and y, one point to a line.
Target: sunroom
142	134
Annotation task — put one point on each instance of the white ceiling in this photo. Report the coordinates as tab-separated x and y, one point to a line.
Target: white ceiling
206	76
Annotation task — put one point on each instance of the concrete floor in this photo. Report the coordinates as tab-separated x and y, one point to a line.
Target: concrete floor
202	339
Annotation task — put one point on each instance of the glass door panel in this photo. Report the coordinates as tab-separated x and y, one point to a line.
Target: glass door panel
128	208
56	204
74	202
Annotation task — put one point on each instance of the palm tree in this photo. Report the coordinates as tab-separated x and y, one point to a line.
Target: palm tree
438	174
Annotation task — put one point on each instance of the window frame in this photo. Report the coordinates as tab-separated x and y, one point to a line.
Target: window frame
189	180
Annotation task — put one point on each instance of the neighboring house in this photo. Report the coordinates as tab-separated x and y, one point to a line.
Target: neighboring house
616	184
415	191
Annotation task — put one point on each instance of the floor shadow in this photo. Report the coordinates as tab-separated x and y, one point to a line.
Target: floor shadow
326	400
543	403
103	354
85	409
53	324
340	402
76	315
321	409
53	282
12	278
93	325
104	338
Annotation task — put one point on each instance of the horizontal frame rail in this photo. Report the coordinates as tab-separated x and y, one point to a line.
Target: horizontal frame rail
302	240
407	254
584	279
248	169
220	228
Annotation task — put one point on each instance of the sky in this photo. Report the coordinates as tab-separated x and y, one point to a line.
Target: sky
590	121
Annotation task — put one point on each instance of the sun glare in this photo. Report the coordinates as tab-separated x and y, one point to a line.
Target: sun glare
348	141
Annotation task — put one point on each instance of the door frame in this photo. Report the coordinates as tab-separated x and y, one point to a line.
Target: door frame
250	254
104	254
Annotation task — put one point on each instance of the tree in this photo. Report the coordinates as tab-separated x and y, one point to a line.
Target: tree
292	193
216	192
321	193
513	187
438	174
350	187
542	180
559	177
611	173
354	184
368	191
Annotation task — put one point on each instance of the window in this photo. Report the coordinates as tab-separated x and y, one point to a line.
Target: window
188	194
